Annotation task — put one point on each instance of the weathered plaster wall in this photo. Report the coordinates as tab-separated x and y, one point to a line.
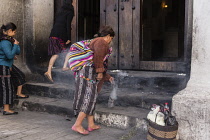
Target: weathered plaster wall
12	11
201	43
34	19
191	105
39	15
43	16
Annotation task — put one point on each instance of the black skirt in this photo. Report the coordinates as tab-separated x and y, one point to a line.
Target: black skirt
6	86
18	77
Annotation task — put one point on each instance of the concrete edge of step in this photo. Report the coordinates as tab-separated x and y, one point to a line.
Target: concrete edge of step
130	99
110	119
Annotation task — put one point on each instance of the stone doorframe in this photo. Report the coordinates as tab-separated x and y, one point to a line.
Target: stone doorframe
188	35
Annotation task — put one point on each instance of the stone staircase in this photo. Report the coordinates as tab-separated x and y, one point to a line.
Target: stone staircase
136	92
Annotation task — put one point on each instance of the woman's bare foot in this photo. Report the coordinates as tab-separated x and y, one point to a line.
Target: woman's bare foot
80	130
93	127
48	76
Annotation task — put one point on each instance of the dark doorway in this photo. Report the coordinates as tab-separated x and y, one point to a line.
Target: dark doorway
163	30
162	35
88	18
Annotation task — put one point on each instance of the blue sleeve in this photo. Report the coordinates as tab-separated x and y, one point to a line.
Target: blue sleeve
18	49
9	50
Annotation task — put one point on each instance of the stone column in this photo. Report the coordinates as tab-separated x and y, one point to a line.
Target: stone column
12	11
34	20
191	106
38	22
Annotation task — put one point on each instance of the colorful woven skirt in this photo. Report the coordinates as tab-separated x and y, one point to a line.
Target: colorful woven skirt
86	91
56	46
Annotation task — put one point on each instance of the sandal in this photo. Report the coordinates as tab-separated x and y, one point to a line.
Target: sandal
20	97
85	132
46	74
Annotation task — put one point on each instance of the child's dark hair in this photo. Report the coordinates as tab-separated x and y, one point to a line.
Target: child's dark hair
104	31
7	27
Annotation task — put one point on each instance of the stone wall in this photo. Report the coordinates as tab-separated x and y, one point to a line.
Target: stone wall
34	19
201	43
12	11
191	105
39	16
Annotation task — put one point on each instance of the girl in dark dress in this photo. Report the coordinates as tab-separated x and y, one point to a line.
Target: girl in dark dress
8	49
60	34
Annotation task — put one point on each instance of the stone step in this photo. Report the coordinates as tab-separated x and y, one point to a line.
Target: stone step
144	80
126	97
151	81
118	117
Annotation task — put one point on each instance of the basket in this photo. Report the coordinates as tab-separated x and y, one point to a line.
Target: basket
158	132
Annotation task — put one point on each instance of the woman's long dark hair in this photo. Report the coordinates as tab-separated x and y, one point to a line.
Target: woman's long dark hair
104	31
7	27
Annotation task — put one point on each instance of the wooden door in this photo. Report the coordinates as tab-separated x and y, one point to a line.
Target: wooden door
124	17
129	34
109	16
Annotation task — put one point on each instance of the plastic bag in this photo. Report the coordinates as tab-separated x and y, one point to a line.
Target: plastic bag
170	120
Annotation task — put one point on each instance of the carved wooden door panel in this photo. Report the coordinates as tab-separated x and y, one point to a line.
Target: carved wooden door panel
124	17
109	16
129	34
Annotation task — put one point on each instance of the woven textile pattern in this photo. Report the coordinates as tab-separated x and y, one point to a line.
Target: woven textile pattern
80	55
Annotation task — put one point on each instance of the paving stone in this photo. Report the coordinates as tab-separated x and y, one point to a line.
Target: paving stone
118	117
43	126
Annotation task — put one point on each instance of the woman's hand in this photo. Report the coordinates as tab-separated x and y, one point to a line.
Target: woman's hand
15	58
16	42
99	76
68	41
111	80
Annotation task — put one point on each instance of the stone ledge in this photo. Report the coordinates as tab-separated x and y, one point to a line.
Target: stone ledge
126	96
144	80
118	117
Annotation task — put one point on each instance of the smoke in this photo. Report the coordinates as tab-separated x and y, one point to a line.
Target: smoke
113	94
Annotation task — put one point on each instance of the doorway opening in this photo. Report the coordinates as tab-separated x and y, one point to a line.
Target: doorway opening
88	18
163	30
